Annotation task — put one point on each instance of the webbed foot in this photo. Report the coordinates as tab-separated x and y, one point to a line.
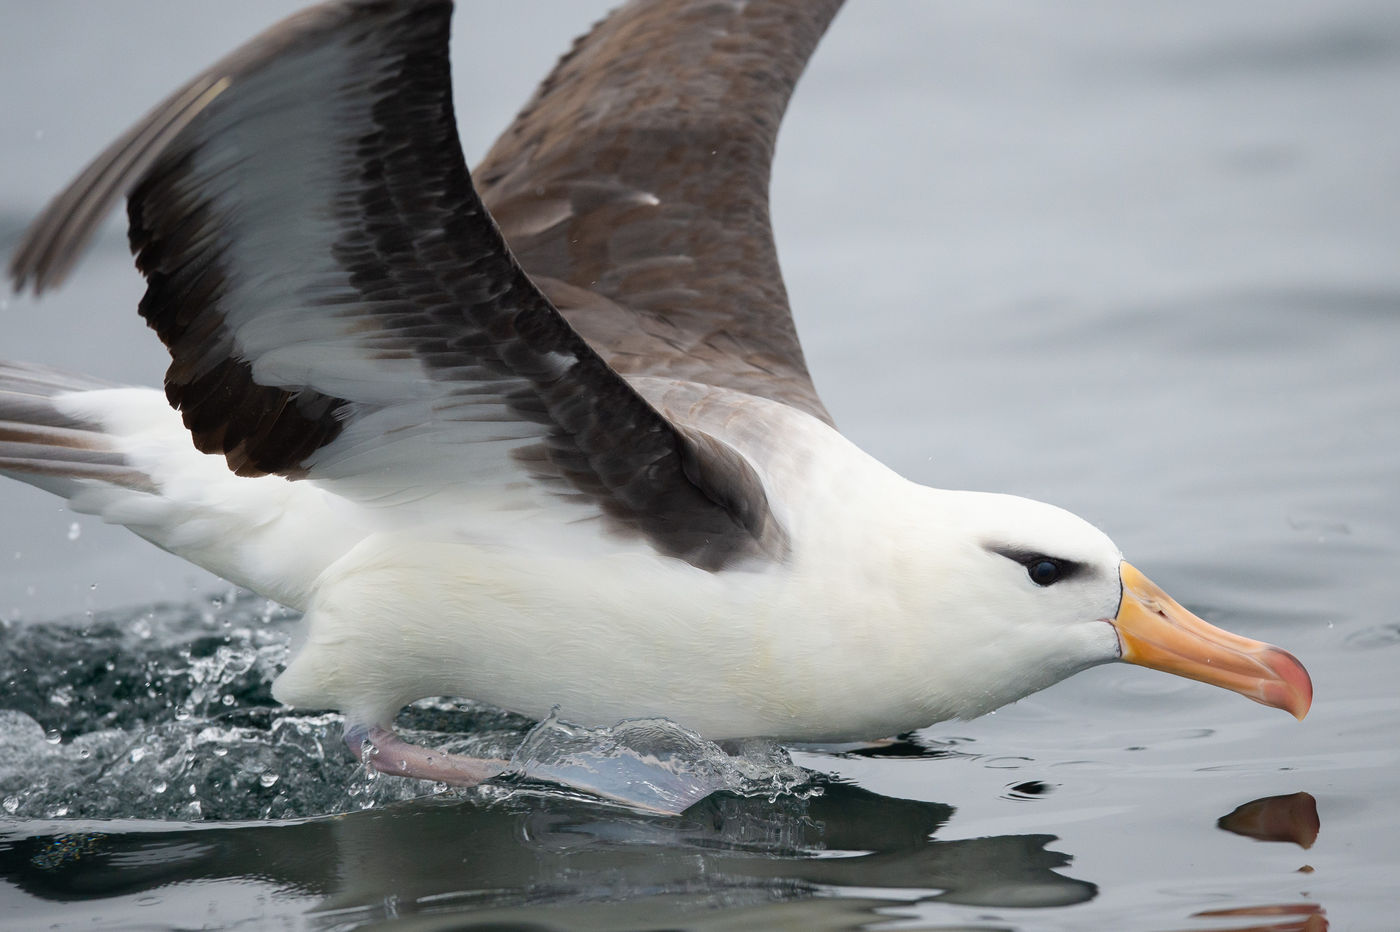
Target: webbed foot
387	753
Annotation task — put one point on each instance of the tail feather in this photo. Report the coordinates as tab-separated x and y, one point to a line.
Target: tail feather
44	446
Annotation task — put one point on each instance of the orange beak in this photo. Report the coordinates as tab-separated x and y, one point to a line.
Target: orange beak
1155	631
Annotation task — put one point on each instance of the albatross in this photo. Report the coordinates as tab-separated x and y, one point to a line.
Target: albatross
542	434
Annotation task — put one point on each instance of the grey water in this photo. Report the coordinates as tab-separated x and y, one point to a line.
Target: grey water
1136	259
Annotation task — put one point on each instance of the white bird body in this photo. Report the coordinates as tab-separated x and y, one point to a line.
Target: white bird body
869	628
823	649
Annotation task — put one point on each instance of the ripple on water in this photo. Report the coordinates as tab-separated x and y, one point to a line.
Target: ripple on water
1374	637
1029	790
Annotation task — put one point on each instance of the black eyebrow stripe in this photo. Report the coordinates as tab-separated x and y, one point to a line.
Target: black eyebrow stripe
1028	558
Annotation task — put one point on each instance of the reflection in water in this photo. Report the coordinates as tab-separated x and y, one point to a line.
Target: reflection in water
545	859
1276	818
1300	917
1273	818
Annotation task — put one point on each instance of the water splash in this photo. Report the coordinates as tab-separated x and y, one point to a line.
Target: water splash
652	764
167	713
164	713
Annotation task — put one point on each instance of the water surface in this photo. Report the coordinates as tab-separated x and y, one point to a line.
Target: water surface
1133	259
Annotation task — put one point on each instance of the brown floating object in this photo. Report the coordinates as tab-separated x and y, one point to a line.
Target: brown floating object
1276	818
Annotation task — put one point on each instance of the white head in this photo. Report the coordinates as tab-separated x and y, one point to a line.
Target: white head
1017	595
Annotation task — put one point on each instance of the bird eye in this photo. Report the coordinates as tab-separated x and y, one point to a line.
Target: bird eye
1044	572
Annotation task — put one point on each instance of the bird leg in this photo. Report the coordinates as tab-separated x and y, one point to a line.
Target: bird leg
387	753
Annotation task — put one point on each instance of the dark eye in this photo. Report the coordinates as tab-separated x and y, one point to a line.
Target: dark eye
1044	572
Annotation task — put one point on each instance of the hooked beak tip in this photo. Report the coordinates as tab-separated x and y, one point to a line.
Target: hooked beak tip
1293	690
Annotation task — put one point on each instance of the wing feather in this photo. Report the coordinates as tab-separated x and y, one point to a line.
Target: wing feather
339	304
634	188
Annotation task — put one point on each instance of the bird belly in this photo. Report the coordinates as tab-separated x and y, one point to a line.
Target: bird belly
623	634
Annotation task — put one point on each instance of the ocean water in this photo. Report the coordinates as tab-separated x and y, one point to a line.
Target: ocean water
1135	259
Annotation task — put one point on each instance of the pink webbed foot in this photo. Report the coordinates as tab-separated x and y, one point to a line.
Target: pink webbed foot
389	754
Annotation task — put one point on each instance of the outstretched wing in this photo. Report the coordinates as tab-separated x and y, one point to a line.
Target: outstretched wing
338	303
634	189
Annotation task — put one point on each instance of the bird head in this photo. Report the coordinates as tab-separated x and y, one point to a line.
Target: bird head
1055	596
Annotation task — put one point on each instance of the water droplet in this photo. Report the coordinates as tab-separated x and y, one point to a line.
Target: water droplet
158	787
268	778
53	736
137	755
227	699
75	531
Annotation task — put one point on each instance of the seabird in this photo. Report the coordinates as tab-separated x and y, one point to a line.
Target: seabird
542	435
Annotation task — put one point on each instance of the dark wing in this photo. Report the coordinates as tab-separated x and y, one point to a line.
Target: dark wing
338	304
634	189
